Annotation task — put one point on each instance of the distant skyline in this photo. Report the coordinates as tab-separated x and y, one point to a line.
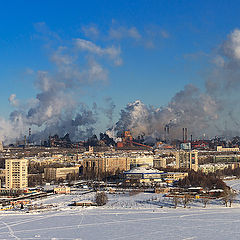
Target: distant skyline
107	54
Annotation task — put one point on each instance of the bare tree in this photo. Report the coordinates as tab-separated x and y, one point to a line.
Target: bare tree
226	196
175	201
186	200
205	201
232	196
101	198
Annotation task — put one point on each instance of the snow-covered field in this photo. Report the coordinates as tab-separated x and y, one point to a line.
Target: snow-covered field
141	216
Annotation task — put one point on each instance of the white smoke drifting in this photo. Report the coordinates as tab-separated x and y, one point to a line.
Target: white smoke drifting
188	108
54	109
215	112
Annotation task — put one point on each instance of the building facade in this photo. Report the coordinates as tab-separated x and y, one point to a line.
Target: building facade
187	159
137	161
159	162
222	149
57	173
106	164
144	175
16	173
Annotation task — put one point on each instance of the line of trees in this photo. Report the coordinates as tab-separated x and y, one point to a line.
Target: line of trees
229	172
199	179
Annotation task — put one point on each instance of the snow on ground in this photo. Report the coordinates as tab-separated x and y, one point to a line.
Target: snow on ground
141	216
234	184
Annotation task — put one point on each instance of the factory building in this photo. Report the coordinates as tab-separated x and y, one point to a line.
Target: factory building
128	142
187	159
16	173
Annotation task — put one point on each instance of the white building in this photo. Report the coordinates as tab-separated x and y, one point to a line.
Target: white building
136	161
144	175
221	149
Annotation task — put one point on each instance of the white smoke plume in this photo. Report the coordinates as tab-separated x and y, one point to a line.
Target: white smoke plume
55	109
78	64
215	111
188	108
13	101
224	84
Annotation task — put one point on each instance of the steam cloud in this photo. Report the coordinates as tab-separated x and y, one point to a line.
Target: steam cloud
54	109
214	111
188	108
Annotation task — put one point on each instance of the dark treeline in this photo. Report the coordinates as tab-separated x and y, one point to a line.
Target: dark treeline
228	172
199	179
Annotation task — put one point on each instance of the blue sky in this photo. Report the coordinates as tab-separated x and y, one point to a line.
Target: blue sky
164	45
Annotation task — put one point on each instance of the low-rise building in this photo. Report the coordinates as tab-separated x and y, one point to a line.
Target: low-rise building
226	158
176	175
213	167
222	149
57	173
137	161
159	162
62	190
144	175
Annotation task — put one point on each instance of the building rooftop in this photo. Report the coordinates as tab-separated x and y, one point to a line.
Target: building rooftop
144	170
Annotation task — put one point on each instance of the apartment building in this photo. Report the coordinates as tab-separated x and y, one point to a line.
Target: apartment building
187	159
159	162
16	173
57	173
106	164
137	161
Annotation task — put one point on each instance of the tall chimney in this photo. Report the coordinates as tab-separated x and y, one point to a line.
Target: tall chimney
183	134
165	133
186	136
191	137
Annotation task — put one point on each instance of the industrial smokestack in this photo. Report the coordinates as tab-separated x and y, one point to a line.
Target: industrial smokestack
186	136
29	135
165	133
183	134
191	137
1	146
